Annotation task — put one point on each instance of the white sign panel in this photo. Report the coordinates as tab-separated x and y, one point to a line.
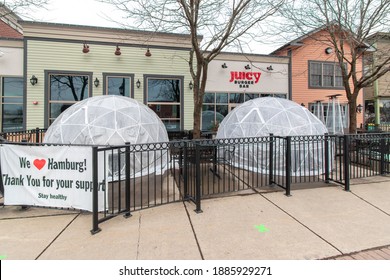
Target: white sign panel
52	176
241	76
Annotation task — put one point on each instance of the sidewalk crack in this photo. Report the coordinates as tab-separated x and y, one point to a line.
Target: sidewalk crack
139	235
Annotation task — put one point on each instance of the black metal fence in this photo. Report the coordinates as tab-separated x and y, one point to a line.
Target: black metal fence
147	175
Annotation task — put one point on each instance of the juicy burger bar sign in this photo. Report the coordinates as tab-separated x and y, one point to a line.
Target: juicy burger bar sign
241	76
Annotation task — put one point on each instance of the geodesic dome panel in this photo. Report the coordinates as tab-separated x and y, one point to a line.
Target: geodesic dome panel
281	117
110	120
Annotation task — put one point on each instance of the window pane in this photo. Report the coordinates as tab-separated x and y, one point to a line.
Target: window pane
236	98
208	97
12	108
172	125
160	90
57	108
208	117
13	87
12	117
166	111
249	96
68	88
315	74
118	86
280	95
384	111
338	77
222	98
328	75
222	109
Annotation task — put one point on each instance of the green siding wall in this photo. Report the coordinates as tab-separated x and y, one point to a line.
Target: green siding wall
45	55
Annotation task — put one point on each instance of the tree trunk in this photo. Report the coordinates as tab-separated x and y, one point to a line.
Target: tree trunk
352	114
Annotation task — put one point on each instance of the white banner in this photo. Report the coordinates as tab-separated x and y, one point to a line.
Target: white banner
52	176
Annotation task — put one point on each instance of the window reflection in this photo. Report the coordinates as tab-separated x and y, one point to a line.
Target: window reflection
65	90
12	104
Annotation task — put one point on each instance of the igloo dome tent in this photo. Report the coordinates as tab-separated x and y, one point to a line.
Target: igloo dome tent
281	117
109	120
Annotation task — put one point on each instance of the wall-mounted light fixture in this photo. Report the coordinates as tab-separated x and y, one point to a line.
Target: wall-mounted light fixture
191	85
269	68
138	84
224	66
328	50
96	82
303	104
359	108
247	67
148	53
34	80
85	48
35	102
117	51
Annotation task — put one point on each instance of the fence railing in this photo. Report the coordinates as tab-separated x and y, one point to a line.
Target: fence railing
146	175
32	136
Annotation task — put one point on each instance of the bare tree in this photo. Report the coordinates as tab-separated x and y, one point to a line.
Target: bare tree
24	8
349	25
221	23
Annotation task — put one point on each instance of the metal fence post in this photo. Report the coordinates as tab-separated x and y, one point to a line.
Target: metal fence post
326	143
95	191
288	166
127	183
382	151
37	138
271	159
197	179
184	165
346	162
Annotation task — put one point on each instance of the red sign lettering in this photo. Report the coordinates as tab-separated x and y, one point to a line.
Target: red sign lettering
245	76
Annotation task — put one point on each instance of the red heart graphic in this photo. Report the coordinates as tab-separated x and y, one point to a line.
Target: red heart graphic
39	163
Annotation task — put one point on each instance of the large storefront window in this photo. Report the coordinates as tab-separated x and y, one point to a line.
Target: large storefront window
118	85
12	103
384	110
164	98
64	91
216	106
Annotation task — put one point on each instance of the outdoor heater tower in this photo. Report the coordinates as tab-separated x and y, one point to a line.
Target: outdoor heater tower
334	115
319	110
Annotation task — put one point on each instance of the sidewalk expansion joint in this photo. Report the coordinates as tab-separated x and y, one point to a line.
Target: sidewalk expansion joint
298	221
193	231
58	235
139	234
369	203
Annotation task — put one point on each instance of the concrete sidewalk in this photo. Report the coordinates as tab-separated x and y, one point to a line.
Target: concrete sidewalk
314	223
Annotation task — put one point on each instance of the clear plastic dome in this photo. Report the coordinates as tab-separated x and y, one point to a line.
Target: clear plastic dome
110	120
281	117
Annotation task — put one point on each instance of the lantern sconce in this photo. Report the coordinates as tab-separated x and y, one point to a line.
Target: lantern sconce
191	85
85	48
96	82
138	83
359	108
117	51
34	80
328	50
148	53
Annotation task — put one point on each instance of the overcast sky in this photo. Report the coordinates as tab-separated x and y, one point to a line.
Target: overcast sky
93	13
